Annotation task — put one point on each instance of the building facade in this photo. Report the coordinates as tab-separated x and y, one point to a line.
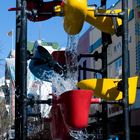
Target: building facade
114	62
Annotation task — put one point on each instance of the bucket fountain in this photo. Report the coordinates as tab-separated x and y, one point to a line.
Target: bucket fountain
42	64
108	89
75	105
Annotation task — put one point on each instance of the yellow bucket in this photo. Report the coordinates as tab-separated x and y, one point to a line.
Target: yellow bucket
77	11
107	88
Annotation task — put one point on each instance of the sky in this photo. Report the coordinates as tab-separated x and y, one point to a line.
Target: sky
50	30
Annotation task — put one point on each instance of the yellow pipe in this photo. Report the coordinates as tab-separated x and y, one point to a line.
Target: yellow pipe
76	12
107	88
104	24
74	15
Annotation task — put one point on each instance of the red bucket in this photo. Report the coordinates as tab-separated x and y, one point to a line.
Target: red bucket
58	128
75	105
59	56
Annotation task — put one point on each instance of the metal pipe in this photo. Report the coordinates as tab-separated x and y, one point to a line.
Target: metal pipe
32	102
104	75
90	69
96	100
86	55
95	55
125	67
119	102
49	101
102	101
17	74
108	15
104	104
84	70
23	70
34	115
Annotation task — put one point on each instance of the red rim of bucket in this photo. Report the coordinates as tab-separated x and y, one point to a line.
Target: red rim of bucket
59	56
75	105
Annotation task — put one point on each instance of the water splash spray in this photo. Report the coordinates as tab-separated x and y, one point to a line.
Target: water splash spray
71	59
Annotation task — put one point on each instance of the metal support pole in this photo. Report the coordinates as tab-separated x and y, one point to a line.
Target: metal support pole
104	75
104	105
90	69
106	40
125	67
84	71
17	73
23	74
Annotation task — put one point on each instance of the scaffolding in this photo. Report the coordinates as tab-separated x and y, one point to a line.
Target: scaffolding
21	69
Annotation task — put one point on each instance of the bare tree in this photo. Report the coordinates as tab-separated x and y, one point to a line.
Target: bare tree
2	63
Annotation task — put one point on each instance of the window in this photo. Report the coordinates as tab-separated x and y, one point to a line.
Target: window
137	56
118	67
98	75
117	48
118	64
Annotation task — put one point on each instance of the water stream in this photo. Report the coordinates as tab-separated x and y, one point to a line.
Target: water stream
68	82
71	57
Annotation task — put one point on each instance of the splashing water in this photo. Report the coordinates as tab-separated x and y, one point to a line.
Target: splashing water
71	80
68	80
78	135
65	82
71	57
81	135
61	84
